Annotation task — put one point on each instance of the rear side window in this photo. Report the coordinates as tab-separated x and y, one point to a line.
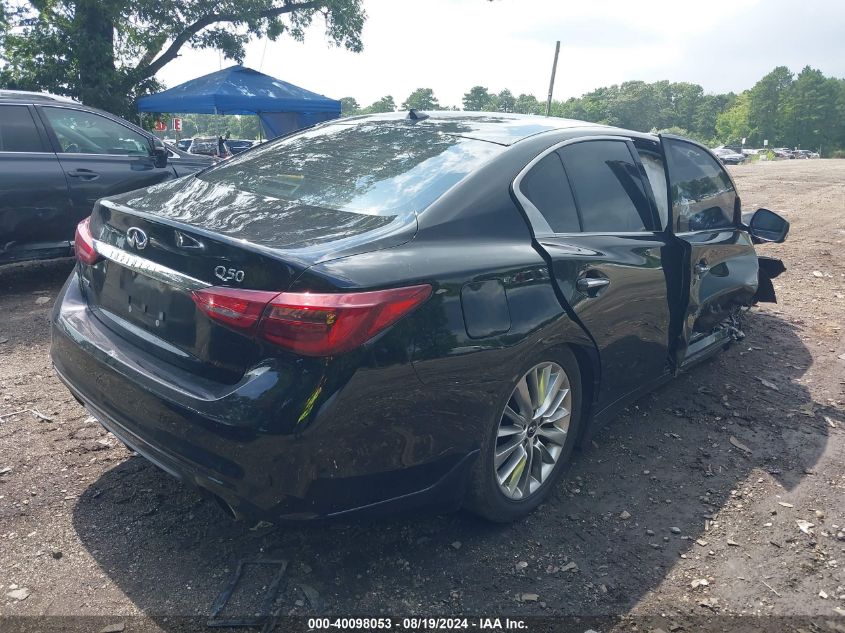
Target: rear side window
17	130
548	190
608	187
703	197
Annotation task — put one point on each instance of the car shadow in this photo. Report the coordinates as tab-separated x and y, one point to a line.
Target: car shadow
27	293
674	459
27	277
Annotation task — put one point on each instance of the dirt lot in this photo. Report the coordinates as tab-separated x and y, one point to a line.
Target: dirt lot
718	471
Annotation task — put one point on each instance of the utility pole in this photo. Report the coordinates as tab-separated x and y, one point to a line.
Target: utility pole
552	82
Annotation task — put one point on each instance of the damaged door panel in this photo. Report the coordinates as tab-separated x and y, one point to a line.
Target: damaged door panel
604	244
717	254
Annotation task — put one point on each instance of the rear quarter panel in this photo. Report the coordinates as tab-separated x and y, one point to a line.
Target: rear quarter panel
473	235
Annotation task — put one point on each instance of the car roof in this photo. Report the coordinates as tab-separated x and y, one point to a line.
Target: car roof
30	96
496	127
58	101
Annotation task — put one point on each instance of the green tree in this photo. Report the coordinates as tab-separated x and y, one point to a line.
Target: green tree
734	124
632	106
686	98
765	103
707	113
107	52
385	104
527	104
505	101
597	105
808	113
477	99
349	106
572	108
807	110
421	99
838	134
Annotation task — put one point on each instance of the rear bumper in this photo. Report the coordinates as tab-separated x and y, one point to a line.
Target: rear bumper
288	441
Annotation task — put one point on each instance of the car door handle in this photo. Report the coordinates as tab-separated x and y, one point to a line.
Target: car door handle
84	174
591	285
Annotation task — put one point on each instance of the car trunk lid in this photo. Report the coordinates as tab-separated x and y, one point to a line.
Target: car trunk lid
156	252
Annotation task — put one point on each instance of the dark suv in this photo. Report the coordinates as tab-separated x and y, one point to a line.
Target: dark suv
57	157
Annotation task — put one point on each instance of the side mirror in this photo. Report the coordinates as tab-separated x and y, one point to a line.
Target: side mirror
768	226
159	153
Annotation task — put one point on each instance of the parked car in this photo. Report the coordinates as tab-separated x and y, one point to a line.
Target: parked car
387	312
783	152
57	157
184	144
236	146
728	156
805	153
204	146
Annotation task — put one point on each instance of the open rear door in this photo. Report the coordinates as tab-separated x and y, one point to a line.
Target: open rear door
717	256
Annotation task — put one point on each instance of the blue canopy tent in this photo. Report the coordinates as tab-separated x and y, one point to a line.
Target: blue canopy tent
281	107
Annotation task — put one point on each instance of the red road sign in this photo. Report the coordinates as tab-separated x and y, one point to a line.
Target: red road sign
160	126
176	124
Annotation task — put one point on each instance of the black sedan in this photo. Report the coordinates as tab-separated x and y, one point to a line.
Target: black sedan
237	145
728	156
391	311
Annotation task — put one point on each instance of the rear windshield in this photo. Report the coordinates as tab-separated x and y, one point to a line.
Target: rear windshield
383	169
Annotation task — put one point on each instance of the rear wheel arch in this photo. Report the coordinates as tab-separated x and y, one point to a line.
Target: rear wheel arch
588	366
483	497
589	370
570	333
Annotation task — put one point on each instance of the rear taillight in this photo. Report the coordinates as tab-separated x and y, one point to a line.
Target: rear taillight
239	309
307	323
83	243
329	324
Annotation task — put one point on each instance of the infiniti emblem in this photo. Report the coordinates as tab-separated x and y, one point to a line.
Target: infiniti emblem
136	237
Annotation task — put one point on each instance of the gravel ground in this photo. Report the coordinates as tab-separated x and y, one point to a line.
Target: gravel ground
721	494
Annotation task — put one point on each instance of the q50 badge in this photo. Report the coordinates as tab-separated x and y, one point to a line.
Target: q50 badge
229	274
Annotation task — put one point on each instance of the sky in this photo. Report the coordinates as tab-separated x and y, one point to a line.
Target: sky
453	45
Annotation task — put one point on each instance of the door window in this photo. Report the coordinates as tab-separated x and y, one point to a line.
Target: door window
652	160
17	130
703	197
548	190
608	188
80	132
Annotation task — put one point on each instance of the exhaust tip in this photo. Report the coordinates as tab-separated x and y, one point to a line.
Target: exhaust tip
224	505
228	509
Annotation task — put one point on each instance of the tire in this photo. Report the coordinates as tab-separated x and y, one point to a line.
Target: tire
517	496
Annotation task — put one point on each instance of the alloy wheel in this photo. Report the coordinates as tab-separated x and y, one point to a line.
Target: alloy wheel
533	430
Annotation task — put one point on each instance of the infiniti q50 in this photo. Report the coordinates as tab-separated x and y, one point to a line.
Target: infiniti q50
399	310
